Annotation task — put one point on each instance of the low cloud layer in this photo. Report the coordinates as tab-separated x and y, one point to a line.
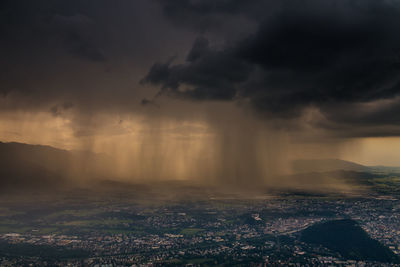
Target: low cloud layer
333	65
334	56
219	90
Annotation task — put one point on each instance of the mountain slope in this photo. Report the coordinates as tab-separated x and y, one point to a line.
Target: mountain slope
326	165
51	158
24	166
25	175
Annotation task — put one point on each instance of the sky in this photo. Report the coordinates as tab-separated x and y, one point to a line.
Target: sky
204	88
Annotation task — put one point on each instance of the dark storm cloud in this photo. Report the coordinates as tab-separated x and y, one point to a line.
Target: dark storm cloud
203	15
320	54
58	110
91	53
281	57
26	24
37	38
75	32
208	75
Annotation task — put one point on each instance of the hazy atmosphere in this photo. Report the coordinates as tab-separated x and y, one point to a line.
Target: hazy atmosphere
199	133
211	91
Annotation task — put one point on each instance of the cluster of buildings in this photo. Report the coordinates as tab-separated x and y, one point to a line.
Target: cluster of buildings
263	232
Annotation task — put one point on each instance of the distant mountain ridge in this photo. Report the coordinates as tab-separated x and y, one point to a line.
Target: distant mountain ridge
38	166
329	165
30	166
326	165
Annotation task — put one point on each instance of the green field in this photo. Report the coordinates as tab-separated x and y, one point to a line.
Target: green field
191	231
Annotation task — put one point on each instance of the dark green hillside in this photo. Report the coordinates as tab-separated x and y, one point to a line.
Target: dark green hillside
349	239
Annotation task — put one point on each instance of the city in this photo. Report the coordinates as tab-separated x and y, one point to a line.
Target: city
93	231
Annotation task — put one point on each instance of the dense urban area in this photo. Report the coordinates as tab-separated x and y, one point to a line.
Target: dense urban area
118	230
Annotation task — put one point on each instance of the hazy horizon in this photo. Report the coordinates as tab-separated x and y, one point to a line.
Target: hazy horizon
231	91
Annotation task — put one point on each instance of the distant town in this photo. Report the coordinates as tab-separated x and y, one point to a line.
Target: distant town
201	233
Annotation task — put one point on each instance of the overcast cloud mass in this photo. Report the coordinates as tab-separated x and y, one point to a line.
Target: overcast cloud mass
333	56
280	57
203	72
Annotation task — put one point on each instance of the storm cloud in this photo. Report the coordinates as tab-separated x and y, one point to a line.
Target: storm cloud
330	65
216	90
330	56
